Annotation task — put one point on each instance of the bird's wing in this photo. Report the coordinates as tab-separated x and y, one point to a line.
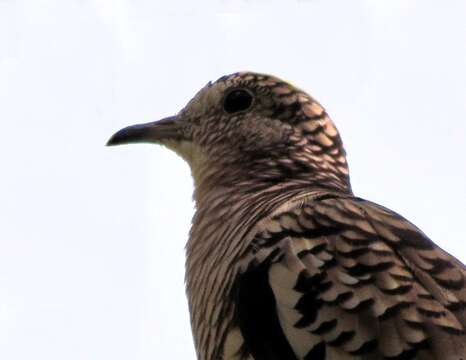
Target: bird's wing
344	278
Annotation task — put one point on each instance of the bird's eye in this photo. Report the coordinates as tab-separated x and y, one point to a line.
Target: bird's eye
237	100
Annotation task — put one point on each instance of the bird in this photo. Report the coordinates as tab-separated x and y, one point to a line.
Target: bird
283	261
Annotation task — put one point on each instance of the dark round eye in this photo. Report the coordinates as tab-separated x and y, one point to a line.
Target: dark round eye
237	100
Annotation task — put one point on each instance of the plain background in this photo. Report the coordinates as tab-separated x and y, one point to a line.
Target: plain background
92	238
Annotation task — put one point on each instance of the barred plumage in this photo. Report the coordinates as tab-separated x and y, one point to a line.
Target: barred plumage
283	261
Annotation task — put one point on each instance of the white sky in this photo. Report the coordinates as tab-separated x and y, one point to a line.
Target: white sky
92	238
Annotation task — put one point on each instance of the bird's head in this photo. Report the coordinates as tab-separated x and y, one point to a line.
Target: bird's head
251	128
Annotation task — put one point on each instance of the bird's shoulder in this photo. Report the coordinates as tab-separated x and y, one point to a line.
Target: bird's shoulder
344	276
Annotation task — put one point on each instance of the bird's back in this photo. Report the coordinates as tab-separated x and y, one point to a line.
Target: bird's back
342	278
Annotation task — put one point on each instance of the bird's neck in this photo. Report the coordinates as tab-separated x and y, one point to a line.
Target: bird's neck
262	181
229	203
222	230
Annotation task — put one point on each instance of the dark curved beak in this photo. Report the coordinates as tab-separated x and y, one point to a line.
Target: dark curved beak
153	132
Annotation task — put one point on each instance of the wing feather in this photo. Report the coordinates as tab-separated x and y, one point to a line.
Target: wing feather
353	280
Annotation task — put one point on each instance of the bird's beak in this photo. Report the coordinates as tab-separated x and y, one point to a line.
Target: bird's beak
153	132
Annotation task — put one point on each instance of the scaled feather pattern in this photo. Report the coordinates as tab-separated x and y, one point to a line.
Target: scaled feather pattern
283	261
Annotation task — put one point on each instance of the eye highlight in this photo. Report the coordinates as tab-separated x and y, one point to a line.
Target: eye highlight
237	100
